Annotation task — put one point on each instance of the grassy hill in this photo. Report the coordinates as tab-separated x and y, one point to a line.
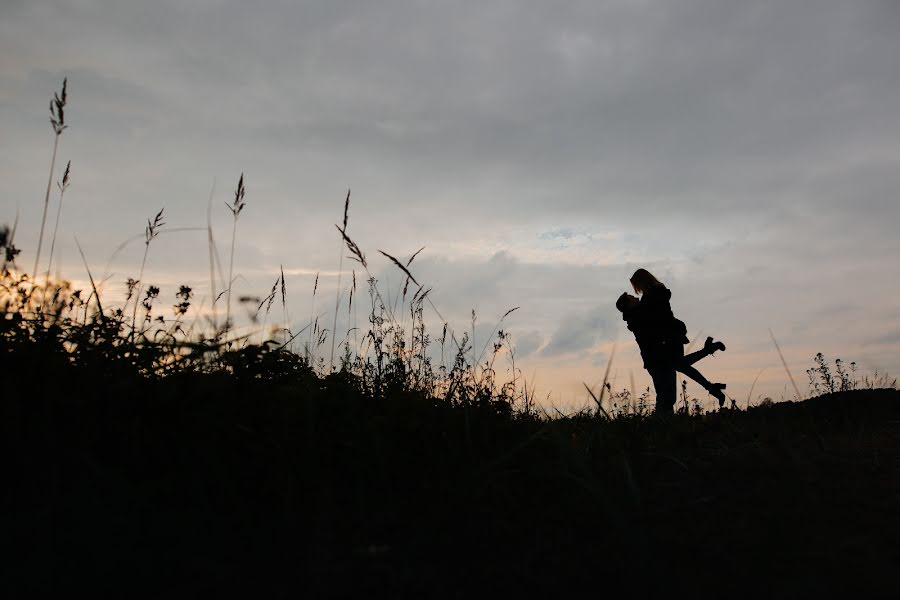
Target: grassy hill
226	482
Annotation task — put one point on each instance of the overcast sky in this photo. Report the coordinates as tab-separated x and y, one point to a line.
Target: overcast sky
747	153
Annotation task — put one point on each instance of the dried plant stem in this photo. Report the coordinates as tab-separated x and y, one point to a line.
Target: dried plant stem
337	304
599	401
150	233
53	240
285	325
495	329
137	291
609	364
62	190
230	281
93	285
235	209
784	363
211	245
753	385
37	256
313	320
633	389
352	307
337	294
58	122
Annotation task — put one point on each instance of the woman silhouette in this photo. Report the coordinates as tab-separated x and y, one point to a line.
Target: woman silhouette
661	338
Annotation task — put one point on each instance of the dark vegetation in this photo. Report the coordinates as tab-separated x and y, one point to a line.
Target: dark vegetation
143	460
147	455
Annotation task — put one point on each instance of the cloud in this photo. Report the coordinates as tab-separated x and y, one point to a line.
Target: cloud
527	343
578	332
889	338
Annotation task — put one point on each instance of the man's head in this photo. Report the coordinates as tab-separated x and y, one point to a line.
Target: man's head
626	302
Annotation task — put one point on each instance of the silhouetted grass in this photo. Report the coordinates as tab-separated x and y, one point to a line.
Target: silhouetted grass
58	123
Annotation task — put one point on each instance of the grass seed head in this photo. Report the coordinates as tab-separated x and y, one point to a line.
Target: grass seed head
238	205
346	209
57	109
401	266
358	255
153	227
65	180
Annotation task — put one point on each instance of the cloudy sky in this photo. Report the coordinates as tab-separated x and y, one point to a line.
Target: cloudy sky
748	153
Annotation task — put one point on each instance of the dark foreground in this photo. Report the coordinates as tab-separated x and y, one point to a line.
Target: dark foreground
203	485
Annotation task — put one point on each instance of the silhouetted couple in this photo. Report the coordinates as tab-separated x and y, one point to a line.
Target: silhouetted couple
661	338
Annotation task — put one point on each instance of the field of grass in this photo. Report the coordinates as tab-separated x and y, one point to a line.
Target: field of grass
148	453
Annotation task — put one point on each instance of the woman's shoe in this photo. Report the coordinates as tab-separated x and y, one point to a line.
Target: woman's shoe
715	390
710	346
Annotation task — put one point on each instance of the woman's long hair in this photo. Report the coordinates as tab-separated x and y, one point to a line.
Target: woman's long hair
643	280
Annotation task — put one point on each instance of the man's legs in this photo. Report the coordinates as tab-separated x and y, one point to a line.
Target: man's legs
664	385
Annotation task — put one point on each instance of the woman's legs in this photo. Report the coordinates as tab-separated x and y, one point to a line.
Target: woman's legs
694	374
683	365
714	389
708	349
693	357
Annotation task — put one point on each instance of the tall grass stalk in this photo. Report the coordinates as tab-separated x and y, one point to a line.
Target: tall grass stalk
496	328
351	308
631	381
63	186
599	401
211	245
314	321
784	364
268	301
286	324
58	122
150	233
337	294
235	209
753	385
94	292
